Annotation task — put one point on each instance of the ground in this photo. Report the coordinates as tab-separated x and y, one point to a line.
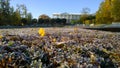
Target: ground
60	47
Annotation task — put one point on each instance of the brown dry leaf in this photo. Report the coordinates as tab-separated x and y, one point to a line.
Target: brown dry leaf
59	44
64	39
10	60
54	40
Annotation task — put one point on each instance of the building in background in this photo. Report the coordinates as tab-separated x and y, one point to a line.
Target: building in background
67	16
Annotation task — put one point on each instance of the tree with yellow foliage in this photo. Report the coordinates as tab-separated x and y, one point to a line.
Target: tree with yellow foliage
116	10
109	11
103	15
44	16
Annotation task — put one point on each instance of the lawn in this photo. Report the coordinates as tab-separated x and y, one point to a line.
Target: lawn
65	47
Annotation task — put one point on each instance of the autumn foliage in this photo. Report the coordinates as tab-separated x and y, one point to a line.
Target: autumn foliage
109	11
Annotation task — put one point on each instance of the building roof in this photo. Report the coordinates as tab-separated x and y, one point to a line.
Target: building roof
66	13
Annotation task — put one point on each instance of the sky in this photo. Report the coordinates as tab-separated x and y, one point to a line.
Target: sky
48	7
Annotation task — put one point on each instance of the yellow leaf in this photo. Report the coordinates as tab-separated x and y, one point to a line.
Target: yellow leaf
1	37
92	58
75	29
54	40
41	32
104	50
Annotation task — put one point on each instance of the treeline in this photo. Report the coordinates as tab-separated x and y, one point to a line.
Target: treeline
53	21
48	22
20	16
11	16
85	17
109	11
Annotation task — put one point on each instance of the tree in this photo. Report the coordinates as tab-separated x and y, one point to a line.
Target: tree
10	17
22	10
116	10
16	18
4	7
26	18
83	18
73	22
91	19
29	18
53	21
4	12
63	21
24	21
46	21
34	21
43	16
85	13
103	15
57	21
40	21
